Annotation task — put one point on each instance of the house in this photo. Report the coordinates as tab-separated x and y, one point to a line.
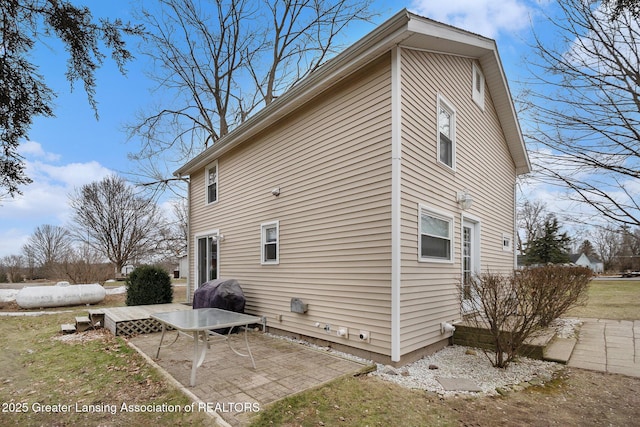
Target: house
353	206
584	260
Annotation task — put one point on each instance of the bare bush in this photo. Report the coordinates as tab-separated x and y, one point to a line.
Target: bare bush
555	289
515	308
84	265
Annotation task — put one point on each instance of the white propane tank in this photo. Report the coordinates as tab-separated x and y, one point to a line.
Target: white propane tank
60	295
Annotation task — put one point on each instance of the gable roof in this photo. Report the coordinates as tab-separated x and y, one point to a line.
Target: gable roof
403	29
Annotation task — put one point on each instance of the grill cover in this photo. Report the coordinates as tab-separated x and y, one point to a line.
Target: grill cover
223	294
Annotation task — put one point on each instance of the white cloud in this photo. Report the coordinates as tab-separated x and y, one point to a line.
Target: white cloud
73	174
484	17
46	199
34	149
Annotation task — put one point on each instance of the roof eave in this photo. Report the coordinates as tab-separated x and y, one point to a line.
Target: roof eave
405	29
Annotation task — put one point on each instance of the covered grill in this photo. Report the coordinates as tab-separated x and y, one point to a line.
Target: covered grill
223	294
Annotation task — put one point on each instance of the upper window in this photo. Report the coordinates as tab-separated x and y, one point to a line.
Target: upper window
478	86
211	182
436	236
446	133
270	248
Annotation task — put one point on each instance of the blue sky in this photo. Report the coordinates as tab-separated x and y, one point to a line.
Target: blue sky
72	148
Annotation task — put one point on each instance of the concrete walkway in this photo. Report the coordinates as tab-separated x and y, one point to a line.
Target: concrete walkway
608	346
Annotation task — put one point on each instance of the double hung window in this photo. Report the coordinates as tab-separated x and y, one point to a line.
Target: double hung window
446	133
436	236
270	250
211	181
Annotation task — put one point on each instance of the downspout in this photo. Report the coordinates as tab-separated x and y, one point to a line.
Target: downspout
396	194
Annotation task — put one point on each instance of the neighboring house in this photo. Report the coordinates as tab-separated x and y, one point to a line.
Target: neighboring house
367	192
183	266
584	260
127	269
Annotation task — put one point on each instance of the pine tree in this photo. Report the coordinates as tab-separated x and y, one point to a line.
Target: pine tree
551	247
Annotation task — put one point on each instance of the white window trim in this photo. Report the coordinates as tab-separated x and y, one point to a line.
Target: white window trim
263	227
509	247
215	233
442	101
445	217
466	306
206	183
478	95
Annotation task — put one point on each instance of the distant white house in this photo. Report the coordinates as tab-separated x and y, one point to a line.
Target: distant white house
127	269
585	261
183	266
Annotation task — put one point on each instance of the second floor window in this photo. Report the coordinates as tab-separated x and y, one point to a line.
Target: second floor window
212	183
446	133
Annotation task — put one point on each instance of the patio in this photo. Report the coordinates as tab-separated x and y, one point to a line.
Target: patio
227	384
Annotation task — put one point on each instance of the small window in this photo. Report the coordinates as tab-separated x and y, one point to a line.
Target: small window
507	244
270	249
478	86
446	133
211	181
436	233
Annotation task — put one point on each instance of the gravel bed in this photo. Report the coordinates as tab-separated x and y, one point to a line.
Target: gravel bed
470	364
465	363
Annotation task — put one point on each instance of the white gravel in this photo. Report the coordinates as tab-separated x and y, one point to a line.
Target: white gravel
470	364
465	363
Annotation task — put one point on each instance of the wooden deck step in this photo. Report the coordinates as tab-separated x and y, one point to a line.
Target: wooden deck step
83	323
68	328
97	318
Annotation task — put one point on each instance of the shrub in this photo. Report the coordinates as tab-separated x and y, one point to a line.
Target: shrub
517	307
555	289
149	285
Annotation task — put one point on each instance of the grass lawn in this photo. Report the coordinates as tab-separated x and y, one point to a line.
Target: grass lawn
87	382
611	299
50	379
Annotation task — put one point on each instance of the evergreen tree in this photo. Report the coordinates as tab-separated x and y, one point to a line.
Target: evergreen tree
25	95
587	248
551	247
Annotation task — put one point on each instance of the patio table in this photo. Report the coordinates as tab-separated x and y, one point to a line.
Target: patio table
199	324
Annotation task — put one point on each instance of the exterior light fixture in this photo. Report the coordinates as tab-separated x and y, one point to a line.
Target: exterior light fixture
464	199
276	191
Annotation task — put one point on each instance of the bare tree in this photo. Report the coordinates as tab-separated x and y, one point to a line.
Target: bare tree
13	265
47	246
585	100
217	62
84	265
530	216
607	245
116	221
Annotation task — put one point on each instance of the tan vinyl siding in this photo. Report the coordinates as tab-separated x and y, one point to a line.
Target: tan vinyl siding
331	161
483	165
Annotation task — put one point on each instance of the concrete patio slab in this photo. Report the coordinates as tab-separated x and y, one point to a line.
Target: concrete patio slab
559	350
227	384
609	346
459	384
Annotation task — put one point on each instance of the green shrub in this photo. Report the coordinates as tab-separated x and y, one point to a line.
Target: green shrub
149	285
